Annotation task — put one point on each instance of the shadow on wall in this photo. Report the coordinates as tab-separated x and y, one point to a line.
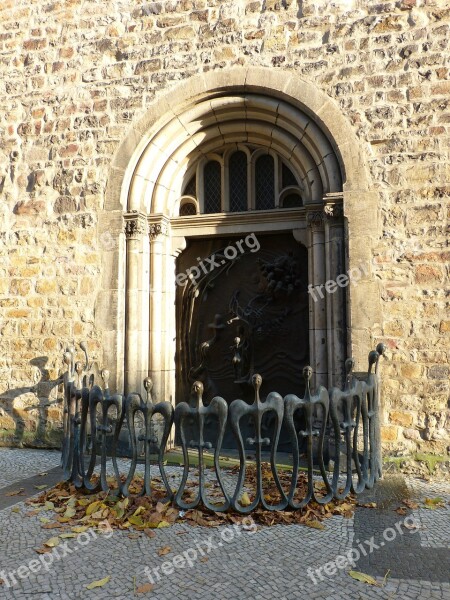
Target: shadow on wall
36	398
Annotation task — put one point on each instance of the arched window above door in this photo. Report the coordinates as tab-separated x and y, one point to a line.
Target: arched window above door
242	178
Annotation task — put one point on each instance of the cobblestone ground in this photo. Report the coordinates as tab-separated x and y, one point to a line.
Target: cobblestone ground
233	563
16	465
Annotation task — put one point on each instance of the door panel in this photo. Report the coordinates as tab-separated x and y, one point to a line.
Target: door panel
243	311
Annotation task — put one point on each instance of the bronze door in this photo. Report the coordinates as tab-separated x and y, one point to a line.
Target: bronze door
242	310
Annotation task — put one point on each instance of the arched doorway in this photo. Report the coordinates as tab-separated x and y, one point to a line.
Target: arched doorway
259	113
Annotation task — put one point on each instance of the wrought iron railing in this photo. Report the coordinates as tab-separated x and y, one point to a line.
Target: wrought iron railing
341	419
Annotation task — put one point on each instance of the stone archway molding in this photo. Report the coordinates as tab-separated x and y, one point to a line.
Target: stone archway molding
151	146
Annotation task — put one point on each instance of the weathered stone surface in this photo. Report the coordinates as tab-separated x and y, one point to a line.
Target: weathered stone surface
69	100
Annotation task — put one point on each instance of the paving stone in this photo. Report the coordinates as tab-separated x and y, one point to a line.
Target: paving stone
271	563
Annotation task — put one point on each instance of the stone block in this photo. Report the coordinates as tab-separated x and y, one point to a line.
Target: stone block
428	274
444	327
438	372
401	418
389	433
46	286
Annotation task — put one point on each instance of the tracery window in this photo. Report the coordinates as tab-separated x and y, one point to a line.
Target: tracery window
238	179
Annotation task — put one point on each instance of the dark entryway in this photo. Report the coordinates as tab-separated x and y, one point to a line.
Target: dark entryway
242	310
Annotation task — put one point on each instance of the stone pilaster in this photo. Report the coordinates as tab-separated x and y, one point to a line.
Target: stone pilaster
161	278
336	297
136	306
317	303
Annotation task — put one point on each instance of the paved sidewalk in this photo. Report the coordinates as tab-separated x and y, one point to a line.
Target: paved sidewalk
229	563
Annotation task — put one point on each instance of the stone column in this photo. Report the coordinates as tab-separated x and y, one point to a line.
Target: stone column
136	303
317	298
159	227
336	294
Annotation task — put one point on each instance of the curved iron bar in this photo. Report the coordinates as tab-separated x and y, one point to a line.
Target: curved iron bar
90	406
371	396
238	409
134	404
307	405
219	408
349	401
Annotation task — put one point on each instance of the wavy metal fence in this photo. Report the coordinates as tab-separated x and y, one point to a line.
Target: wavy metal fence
346	420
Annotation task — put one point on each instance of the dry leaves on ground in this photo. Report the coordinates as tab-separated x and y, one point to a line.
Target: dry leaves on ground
74	509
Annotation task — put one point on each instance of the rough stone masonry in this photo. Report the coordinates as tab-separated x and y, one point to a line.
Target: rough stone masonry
75	74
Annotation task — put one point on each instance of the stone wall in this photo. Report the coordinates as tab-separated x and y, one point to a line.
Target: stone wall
76	74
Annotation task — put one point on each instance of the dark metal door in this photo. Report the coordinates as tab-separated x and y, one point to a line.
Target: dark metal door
242	308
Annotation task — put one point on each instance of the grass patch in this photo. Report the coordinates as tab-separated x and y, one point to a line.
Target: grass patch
27	439
431	460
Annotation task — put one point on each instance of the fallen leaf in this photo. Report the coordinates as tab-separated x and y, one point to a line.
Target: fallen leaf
99	583
204	559
362	577
70	513
40	487
137	521
80	528
433	503
164	551
143	589
160	507
149	533
92	508
52	542
52	526
16	493
315	524
16	509
245	499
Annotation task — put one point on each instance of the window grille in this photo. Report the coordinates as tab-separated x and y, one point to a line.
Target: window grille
238	181
264	183
287	176
247	178
191	187
292	201
188	209
212	177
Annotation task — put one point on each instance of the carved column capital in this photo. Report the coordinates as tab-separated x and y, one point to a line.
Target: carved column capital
135	225
333	206
159	226
333	210
315	219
